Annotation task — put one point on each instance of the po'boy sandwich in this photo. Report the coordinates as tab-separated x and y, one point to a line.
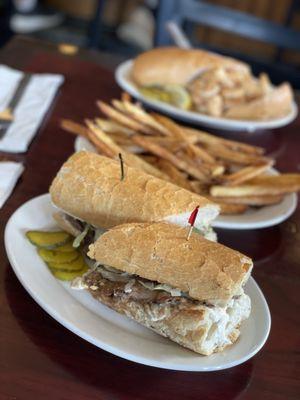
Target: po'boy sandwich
190	291
92	197
210	84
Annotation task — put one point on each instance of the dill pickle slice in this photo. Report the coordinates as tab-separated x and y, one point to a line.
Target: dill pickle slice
58	256
48	240
66	248
75	265
68	275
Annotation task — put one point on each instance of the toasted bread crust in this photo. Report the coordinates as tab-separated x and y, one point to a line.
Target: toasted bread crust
196	326
88	187
172	65
160	252
274	105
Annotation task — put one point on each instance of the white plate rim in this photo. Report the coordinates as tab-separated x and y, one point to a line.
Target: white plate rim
227	221
123	70
19	271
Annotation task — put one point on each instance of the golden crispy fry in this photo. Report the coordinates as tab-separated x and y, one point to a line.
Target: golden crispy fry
245	174
251	200
7	115
153	160
265	185
131	159
203	154
110	126
119	105
235	157
103	137
201	188
174	129
226	209
74	127
101	147
143	117
172	144
148	145
176	176
194	152
206	138
122	119
119	138
125	96
123	140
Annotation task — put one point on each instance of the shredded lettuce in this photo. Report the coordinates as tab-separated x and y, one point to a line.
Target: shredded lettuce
161	286
113	274
79	238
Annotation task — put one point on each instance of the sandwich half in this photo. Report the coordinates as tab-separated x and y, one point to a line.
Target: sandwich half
88	190
215	85
190	291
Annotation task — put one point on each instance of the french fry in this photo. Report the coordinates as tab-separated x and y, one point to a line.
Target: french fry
228	209
195	153
176	176
131	159
260	186
125	96
251	200
235	157
174	129
119	105
153	160
73	127
7	115
172	144
119	138
143	117
122	119
203	155
101	147
206	138
201	188
245	174
159	151
110	126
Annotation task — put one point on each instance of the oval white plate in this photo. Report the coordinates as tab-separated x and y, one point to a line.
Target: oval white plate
263	217
122	76
87	318
254	218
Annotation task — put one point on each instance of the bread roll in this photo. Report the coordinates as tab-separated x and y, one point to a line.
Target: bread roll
205	270
276	104
88	187
196	326
172	65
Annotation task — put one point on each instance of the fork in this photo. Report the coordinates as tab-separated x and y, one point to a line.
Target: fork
6	116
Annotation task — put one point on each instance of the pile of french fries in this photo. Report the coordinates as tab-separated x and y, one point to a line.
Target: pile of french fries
233	174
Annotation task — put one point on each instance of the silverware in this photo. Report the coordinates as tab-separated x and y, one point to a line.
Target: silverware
5	123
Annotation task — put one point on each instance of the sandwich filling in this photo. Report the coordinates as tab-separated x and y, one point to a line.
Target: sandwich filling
161	304
87	234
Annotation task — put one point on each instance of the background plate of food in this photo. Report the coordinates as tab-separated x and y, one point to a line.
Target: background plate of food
207	89
103	327
230	173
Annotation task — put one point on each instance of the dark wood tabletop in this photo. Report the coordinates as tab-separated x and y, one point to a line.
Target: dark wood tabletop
40	359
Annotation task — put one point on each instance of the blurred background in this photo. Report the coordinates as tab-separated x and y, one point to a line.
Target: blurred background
264	33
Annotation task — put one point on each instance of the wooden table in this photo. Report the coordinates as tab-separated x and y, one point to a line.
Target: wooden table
40	359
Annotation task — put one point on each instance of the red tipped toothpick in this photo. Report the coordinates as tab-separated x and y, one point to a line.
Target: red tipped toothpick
122	167
191	221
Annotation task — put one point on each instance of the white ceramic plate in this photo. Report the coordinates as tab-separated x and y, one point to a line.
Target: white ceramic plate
87	318
257	218
122	76
254	218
